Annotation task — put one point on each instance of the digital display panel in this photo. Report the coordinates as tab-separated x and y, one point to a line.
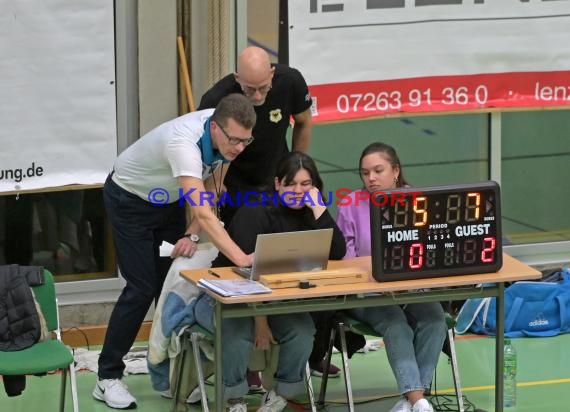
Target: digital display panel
436	231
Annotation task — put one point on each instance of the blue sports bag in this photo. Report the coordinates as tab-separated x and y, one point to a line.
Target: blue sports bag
531	309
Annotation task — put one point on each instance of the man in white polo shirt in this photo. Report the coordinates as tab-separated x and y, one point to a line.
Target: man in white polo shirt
145	195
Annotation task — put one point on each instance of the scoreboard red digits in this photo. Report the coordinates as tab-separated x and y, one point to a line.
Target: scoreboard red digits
436	231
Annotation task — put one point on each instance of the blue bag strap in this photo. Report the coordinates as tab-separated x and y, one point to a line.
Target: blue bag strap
469	311
513	313
562	309
564	321
562	299
488	329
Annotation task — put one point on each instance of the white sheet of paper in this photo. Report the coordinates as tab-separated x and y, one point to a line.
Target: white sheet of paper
165	249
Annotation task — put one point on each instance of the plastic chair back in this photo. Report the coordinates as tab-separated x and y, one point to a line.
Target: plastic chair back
45	296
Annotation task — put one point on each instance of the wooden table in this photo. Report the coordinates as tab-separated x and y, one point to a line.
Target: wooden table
366	294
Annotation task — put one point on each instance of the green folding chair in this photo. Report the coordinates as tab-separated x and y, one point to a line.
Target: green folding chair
48	355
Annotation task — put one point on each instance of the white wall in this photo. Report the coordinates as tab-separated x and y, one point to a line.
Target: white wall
158	74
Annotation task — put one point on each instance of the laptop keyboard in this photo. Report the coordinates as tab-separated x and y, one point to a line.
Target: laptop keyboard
243	271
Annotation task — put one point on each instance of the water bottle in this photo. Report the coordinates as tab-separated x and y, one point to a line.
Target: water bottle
509	375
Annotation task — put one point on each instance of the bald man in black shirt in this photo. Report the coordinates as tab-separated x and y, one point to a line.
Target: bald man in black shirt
277	92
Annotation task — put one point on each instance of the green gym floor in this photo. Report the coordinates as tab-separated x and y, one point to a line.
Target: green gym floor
543	381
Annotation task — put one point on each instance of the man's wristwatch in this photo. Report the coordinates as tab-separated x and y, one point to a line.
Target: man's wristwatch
193	237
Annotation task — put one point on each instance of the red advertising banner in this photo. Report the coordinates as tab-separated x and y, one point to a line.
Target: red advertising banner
442	93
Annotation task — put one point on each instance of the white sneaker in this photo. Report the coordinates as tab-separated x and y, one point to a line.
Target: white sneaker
422	405
271	402
194	397
239	406
114	393
402	406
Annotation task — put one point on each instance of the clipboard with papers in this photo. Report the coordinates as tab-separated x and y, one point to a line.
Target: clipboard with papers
233	287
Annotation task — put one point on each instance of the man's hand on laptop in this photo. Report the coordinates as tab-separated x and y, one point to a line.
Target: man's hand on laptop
250	258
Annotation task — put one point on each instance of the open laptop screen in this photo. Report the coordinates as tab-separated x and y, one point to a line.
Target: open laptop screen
284	252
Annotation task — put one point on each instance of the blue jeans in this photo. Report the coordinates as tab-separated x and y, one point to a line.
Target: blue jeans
413	351
294	333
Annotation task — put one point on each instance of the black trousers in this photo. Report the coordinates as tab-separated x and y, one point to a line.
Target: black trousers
138	230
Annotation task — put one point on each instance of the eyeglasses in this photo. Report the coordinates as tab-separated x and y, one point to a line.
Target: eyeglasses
234	141
250	91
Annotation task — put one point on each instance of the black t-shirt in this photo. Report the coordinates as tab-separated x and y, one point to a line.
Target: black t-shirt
254	168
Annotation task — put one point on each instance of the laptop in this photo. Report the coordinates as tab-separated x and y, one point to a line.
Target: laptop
301	251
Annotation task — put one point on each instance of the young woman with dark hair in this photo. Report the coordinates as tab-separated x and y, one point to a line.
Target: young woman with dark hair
413	334
297	205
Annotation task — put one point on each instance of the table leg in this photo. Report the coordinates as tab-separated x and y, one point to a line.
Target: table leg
499	348
219	388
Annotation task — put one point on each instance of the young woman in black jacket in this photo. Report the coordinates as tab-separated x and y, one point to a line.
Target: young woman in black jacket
296	204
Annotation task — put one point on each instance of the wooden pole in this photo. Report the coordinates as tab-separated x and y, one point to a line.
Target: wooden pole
189	98
182	100
185	74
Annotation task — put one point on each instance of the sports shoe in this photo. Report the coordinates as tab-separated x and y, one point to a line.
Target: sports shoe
237	405
318	369
194	397
271	402
402	406
254	381
422	406
114	393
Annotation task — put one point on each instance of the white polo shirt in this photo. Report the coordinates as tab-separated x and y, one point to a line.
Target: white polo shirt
179	147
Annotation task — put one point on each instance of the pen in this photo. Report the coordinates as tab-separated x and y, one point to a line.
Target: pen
211	272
